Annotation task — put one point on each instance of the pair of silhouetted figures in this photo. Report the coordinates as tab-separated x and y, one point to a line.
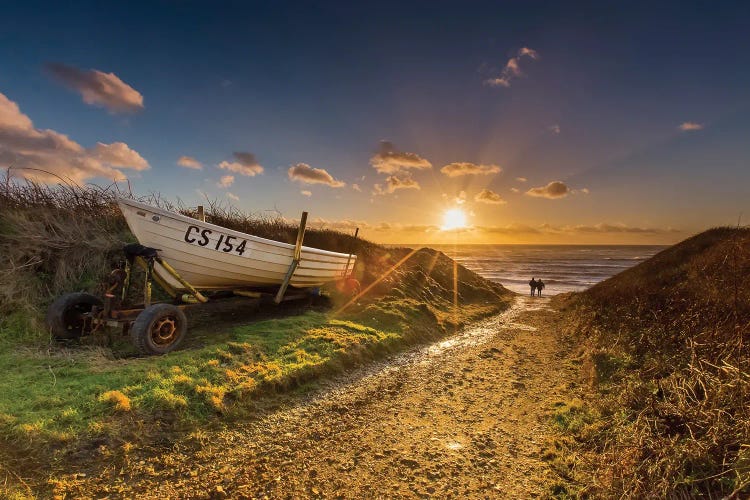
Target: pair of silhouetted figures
537	285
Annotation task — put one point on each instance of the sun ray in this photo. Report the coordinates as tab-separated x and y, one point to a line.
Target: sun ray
371	285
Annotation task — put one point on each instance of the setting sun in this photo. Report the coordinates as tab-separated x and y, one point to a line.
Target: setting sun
455	218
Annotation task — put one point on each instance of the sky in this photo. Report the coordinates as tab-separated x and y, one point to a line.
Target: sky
524	122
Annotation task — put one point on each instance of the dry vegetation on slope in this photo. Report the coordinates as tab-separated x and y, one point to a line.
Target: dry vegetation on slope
667	359
54	398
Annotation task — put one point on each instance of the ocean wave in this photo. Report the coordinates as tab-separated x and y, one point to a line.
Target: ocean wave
562	269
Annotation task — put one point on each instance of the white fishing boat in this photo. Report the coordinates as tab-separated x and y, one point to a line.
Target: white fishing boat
211	257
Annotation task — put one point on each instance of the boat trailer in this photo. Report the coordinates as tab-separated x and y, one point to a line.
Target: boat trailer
158	327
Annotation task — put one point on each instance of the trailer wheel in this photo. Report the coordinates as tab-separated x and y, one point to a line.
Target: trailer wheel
159	329
65	316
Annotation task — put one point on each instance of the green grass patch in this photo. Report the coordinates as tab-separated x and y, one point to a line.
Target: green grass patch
57	397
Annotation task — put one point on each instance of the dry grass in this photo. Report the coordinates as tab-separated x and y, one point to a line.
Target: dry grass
668	364
65	238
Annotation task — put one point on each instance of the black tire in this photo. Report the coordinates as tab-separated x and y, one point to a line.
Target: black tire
159	329
65	315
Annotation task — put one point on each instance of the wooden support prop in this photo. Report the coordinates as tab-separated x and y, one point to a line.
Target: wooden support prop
351	252
295	259
195	293
201	214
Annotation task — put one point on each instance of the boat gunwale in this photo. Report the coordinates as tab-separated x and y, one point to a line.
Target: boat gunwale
189	220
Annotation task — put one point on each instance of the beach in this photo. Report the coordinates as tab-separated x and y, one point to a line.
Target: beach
563	268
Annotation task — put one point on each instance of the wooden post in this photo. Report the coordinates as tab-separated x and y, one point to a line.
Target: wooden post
295	259
201	214
349	259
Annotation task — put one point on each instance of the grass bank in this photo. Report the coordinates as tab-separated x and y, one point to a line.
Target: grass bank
60	402
665	361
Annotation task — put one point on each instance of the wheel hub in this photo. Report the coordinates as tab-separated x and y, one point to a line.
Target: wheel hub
164	331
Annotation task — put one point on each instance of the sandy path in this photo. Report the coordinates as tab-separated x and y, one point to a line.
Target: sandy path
467	416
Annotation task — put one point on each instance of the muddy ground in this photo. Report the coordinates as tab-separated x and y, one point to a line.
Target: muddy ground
466	416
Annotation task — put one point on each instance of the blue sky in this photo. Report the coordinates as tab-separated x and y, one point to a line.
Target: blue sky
596	103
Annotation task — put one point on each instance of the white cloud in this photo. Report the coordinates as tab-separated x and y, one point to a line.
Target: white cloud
356	187
233	196
490	197
388	160
189	162
98	88
305	193
555	129
553	190
302	172
47	156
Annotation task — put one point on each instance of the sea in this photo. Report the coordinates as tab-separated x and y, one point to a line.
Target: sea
563	268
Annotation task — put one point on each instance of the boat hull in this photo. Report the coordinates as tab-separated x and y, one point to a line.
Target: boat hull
211	257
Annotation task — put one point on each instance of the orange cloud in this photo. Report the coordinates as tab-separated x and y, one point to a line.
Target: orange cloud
388	160
119	154
48	156
466	168
512	69
245	164
98	88
690	126
525	51
225	181
396	182
306	193
553	190
189	162
489	197
306	174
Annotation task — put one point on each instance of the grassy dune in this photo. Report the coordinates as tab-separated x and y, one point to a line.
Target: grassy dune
56	399
666	357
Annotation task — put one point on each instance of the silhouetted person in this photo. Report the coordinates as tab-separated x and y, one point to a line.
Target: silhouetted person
539	287
532	284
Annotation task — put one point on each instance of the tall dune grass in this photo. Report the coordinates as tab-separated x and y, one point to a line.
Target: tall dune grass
669	360
66	237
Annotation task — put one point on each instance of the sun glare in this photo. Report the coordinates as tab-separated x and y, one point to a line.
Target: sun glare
455	218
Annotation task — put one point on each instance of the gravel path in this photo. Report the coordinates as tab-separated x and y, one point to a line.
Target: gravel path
467	416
